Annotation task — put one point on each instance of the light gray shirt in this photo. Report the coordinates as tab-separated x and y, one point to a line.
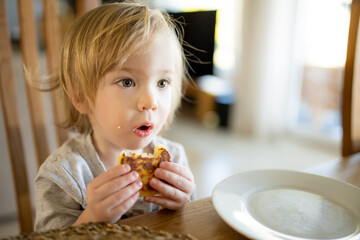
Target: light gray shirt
60	185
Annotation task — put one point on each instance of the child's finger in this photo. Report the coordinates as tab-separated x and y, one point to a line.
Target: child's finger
120	196
168	190
121	209
109	175
178	169
116	184
164	202
174	179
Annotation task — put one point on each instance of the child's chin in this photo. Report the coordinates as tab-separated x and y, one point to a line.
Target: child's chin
141	144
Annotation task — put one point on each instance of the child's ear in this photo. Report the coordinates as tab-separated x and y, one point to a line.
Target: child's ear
81	106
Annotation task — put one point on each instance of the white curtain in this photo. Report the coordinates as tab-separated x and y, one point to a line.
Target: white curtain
264	64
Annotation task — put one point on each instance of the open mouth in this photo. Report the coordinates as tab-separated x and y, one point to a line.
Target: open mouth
144	130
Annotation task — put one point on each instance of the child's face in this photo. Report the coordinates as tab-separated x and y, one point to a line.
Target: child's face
133	102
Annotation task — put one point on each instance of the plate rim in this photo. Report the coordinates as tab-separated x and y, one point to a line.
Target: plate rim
250	233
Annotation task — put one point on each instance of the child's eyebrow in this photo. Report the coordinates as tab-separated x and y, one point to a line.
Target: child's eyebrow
131	69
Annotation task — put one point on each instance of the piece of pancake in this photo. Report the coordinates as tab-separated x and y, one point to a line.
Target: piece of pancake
145	165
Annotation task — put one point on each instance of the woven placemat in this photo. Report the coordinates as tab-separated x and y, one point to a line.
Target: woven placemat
99	231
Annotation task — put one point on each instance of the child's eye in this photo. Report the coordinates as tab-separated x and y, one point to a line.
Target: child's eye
162	83
126	82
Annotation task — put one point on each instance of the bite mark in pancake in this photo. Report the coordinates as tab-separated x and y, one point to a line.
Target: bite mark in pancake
145	165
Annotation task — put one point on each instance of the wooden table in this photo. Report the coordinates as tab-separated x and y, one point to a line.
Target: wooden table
346	169
200	219
197	218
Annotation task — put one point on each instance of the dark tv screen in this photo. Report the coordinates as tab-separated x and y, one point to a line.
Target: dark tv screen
199	32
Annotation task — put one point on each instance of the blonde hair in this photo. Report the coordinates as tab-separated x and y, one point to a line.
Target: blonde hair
103	39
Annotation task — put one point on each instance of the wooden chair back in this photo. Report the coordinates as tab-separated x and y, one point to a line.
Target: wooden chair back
351	87
8	91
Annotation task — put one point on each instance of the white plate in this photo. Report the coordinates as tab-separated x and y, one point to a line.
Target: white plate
281	204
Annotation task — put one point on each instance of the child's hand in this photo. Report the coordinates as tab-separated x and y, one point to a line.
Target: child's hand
110	195
175	184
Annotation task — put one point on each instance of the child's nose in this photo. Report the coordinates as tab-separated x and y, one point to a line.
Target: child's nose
147	101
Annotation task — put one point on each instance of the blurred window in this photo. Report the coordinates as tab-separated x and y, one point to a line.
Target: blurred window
323	30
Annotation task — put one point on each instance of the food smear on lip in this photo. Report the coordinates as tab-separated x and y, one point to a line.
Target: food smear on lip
144	130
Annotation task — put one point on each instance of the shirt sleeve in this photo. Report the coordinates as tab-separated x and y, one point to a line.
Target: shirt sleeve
54	207
59	194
